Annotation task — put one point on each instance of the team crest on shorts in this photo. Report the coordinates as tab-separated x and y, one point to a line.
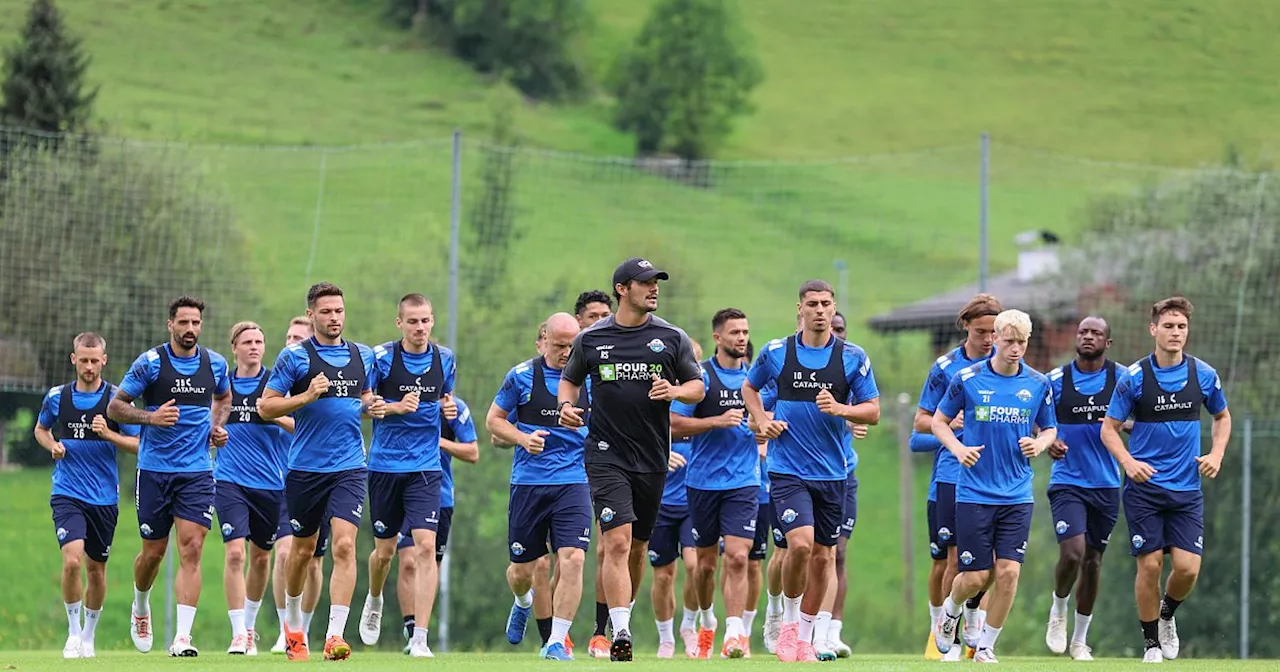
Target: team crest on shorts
227	529
966	558
789	516
1138	541
516	548
653	556
606	514
1061	527
62	533
944	533
379	526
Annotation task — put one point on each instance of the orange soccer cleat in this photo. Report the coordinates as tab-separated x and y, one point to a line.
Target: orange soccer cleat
336	648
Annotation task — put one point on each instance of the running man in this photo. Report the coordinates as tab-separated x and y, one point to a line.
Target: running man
1004	401
85	497
723	482
1163	500
1084	487
638	364
326	379
416	376
188	398
827	628
549	493
823	382
977	320
672	539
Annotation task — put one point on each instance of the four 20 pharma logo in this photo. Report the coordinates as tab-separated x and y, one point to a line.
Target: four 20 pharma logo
619	371
1001	414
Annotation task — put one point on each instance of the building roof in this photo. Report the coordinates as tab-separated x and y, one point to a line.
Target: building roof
939	311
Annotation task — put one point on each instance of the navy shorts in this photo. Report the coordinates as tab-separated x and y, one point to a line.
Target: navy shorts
286	530
620	497
398	500
1161	519
249	512
442	533
850	506
314	498
94	523
942	521
1088	511
673	531
162	497
989	531
760	545
719	513
800	503
536	513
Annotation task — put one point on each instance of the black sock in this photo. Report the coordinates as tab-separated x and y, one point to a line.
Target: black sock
975	601
1167	606
1150	634
602	618
409	624
544	629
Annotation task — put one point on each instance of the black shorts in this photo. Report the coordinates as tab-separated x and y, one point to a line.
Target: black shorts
74	519
620	497
442	533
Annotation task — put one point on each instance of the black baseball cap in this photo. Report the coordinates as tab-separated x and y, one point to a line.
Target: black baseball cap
636	268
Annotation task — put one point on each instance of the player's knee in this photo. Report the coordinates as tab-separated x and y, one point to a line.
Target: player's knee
425	552
259	560
408	563
344	549
1091	563
191	547
1187	568
235	556
1071	553
71	563
617	545
800	548
1007	575
96	571
1150	565
568	562
734	561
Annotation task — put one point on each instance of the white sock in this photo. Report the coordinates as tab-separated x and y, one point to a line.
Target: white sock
525	601
375	603
665	631
988	638
950	608
281	615
835	633
621	619
791	609
971	615
186	618
560	629
306	621
806	626
1059	608
419	635
337	621
237	622
821	628
707	619
934	614
732	627
1077	637
748	622
251	609
293	614
73	618
690	620
141	602
91	617
775	604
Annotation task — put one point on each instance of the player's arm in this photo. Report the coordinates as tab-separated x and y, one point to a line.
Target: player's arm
372	405
865	409
44	437
467	452
924	442
691	389
126	439
219	411
122	410
1118	412
505	434
683	425
274	405
953	403
285	423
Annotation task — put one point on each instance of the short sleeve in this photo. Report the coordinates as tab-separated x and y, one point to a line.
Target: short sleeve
142	373
575	370
1122	398
1215	400
1046	417
952	403
450	364
464	426
370	364
935	385
130	430
862	380
49	408
509	394
381	356
762	370
221	381
687	366
681	408
284	374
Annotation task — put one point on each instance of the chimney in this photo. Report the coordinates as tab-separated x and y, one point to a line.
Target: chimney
1037	254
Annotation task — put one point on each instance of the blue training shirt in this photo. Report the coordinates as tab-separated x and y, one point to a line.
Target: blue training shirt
946	469
464	431
813	445
674	492
998	410
1169	447
409	443
721	459
1087	463
87	471
561	459
184	447
768	399
255	455
326	436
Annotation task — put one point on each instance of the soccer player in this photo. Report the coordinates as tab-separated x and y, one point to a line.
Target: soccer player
326	379
1003	401
457	440
822	381
1163	502
416	376
1084	487
826	628
723	482
591	307
249	474
638	364
977	319
672	539
86	484
299	330
549	492
188	398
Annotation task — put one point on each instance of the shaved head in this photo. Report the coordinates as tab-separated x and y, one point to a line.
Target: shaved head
561	330
562	323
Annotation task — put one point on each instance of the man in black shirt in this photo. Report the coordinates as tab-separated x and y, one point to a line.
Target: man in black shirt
638	364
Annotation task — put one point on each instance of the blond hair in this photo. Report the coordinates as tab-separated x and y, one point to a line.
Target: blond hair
240	328
1016	320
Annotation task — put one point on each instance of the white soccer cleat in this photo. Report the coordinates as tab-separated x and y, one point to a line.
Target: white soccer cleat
181	647
239	645
72	648
1080	651
944	633
841	649
140	631
973	628
418	649
1153	655
1056	636
370	624
252	650
955	655
279	647
1169	643
772	630
985	656
86	650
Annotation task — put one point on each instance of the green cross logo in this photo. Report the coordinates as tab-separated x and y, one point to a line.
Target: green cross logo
607	373
982	413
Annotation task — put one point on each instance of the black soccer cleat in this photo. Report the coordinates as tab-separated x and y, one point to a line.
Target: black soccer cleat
620	650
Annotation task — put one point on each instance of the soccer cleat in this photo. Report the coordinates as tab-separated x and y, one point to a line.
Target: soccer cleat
72	648
955	655
973	629
706	642
1056	636
806	654
931	651
620	650
556	651
418	649
336	648
279	645
772	628
86	650
1169	643
516	622
1081	651
252	650
140	631
733	648
181	647
824	654
295	646
985	656
944	633
370	623
598	647
1153	655
690	638
568	644
789	643
842	650
666	649
239	645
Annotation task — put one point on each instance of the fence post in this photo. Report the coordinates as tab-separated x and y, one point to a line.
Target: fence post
315	227
455	218
906	494
1246	501
984	180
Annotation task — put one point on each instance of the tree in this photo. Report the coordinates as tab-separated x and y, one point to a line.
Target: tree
44	73
685	78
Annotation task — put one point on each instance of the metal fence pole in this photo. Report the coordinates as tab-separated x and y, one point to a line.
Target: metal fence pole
455	219
1246	501
169	607
984	178
906	489
315	226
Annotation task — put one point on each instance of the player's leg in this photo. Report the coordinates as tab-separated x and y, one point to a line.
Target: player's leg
1070	516
642	503
793	500
773	582
664	548
71	527
755	572
344	510
828	516
406	582
613	501
264	516
528	527
1143	513
598	647
835	629
155	520
1012	529
95	595
1104	509
424	542
283	546
193	509
694	619
975	543
1184	532
570	537
738	513
938	587
233	521
387	510
704	516
543	606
